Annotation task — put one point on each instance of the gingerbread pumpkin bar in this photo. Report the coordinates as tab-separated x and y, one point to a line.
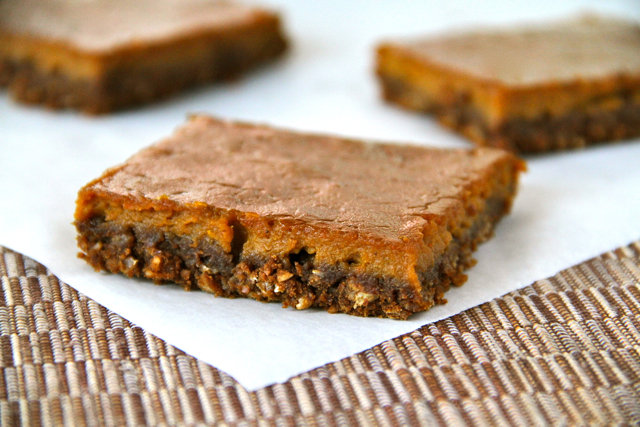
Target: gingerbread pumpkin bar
104	55
539	88
240	210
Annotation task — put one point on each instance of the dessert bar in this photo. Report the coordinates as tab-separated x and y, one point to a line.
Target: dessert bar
533	89
104	55
310	221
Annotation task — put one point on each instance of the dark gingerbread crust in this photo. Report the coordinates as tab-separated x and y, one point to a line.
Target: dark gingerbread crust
127	87
576	129
294	280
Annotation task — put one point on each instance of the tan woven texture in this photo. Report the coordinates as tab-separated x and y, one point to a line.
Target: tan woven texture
563	351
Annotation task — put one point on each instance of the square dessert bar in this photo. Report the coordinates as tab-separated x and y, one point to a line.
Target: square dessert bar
103	55
311	221
534	89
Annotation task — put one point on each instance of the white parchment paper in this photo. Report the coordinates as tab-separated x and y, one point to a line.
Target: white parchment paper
572	206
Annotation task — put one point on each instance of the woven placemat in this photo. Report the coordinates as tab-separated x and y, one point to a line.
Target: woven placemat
563	351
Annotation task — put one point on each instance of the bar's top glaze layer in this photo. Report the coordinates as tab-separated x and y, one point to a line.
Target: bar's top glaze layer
383	190
105	25
578	49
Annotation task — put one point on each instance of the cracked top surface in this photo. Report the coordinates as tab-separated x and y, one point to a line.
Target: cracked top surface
586	48
103	25
382	189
